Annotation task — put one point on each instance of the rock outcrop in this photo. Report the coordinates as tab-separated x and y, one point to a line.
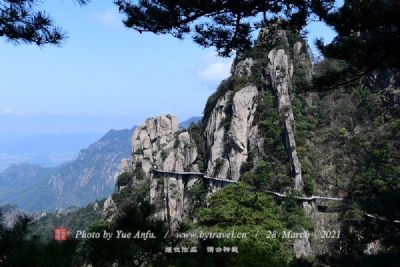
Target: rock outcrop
109	209
231	128
280	69
230	132
228	148
159	145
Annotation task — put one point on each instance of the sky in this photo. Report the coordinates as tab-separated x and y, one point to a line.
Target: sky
105	76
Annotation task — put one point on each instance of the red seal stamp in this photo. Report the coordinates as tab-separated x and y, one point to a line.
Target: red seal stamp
60	233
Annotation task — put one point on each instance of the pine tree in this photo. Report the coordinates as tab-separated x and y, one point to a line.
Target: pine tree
226	24
21	21
368	35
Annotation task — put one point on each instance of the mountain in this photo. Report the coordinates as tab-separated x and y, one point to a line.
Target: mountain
326	158
89	177
248	121
21	177
92	175
185	124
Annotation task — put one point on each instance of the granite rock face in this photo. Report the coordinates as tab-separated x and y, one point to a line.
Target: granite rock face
225	160
228	147
280	69
109	209
242	68
158	144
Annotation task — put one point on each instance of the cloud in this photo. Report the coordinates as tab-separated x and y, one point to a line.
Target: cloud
10	111
108	17
214	69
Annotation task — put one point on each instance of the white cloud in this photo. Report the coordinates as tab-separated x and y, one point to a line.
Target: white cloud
214	69
10	111
108	17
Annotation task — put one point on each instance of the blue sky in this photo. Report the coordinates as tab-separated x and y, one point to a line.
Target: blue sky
105	76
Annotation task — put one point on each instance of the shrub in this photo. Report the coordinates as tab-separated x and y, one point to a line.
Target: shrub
125	179
218	164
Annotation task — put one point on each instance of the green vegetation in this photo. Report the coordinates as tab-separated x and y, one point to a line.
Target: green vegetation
275	162
42	229
238	208
124	179
227	27
196	132
326	74
218	165
259	178
138	173
367	34
376	187
17	248
132	217
196	195
306	122
358	127
132	195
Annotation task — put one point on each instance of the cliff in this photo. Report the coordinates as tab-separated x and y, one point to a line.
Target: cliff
270	127
158	144
232	129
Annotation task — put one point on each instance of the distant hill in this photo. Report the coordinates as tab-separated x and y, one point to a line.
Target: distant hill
185	124
21	177
89	177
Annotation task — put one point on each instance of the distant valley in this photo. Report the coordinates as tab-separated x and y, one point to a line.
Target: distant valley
89	177
83	179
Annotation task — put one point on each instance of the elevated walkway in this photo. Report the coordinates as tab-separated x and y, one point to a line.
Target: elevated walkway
218	182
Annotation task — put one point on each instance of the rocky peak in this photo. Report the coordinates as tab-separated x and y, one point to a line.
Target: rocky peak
280	70
272	37
159	145
151	137
231	132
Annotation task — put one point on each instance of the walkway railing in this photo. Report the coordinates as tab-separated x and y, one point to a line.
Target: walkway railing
312	198
202	175
303	198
